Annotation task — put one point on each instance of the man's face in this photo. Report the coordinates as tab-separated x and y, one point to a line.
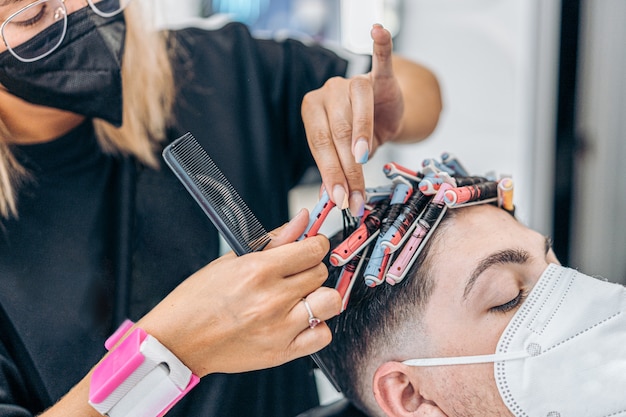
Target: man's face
484	264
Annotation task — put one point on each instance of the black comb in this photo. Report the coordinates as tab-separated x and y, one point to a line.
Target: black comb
214	193
221	202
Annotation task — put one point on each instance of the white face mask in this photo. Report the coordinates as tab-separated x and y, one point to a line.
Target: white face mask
564	352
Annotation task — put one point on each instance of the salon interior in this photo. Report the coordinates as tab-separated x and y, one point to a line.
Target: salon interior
532	88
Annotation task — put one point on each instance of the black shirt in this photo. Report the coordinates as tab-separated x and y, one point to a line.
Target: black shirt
240	97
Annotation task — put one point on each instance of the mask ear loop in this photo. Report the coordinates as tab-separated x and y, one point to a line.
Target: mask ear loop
468	360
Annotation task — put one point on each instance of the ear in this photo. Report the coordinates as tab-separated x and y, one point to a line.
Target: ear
397	392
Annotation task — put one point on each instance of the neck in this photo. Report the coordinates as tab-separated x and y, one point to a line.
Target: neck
28	123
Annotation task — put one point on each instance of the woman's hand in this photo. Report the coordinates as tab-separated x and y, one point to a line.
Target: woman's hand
346	120
244	313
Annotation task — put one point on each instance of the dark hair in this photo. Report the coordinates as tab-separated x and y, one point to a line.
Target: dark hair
373	318
377	317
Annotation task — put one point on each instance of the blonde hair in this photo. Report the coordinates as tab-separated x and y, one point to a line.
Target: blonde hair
148	95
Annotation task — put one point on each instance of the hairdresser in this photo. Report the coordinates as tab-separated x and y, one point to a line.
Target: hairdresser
95	230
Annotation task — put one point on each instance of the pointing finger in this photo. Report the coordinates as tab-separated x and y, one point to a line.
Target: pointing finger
383	50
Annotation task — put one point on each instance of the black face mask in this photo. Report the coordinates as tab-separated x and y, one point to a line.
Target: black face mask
82	76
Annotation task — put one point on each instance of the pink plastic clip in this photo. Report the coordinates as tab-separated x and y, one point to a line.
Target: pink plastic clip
318	215
412	248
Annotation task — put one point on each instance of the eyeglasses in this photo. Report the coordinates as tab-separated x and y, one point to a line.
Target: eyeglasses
44	22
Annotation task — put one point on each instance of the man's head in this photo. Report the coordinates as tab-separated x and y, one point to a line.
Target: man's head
485	322
461	293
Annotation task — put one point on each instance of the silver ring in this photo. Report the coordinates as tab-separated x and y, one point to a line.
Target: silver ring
313	321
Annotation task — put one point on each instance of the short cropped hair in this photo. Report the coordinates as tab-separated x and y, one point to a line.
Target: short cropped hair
375	320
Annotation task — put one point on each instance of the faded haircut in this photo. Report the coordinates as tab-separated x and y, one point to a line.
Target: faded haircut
375	321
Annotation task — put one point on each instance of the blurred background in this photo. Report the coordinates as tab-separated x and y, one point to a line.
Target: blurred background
531	88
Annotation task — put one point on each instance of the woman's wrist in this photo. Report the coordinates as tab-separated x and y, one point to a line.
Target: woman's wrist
138	375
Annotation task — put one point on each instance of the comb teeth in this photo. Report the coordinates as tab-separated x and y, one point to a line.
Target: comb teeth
214	193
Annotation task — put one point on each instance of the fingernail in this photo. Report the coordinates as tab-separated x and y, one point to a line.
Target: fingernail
361	151
340	198
357	204
322	190
298	214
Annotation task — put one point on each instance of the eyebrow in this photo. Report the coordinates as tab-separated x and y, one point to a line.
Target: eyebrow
506	256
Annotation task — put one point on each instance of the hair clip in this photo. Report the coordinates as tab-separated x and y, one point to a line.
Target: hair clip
376	267
364	234
470	180
374	195
318	215
403	225
426	224
485	192
432	166
505	194
346	280
393	169
401	218
453	163
430	184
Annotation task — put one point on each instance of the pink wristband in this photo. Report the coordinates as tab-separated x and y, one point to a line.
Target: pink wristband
140	377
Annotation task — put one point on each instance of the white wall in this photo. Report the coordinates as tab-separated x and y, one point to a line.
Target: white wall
496	62
173	12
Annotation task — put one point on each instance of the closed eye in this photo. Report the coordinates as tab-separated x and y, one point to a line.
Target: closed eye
31	21
510	305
